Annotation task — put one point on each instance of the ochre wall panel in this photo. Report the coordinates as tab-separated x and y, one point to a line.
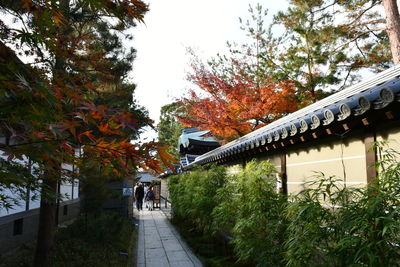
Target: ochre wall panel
342	158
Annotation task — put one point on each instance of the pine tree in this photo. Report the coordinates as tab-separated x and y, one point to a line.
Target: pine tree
169	128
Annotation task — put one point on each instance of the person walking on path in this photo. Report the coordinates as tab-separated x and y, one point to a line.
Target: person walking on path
139	194
150	198
146	189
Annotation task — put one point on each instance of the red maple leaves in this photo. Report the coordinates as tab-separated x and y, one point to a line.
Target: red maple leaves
235	104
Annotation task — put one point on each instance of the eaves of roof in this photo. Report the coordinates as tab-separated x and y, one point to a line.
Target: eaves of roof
370	95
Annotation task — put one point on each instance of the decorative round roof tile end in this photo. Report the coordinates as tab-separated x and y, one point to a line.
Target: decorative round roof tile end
276	136
345	112
329	117
293	129
315	122
303	126
284	133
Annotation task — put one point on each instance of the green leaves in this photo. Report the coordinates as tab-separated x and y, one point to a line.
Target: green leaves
326	224
243	206
169	128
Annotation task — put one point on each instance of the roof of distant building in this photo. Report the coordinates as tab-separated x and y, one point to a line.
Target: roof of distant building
145	177
194	141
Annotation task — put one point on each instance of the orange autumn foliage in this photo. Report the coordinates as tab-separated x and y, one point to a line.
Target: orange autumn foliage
232	106
53	109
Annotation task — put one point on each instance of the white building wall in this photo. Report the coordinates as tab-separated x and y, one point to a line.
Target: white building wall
67	190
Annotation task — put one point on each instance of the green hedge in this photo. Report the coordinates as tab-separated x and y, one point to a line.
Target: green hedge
326	224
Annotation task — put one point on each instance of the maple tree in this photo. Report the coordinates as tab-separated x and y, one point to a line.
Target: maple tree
237	104
308	51
51	108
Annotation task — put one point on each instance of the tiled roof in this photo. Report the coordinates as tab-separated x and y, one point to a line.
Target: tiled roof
372	94
145	177
188	159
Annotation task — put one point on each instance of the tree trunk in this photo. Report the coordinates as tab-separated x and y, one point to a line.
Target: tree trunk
393	28
46	219
51	177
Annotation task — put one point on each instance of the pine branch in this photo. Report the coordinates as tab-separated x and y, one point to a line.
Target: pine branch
353	39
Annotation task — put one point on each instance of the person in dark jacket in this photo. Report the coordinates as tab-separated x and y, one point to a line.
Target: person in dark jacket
139	194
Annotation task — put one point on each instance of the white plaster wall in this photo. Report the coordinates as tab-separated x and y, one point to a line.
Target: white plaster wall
65	189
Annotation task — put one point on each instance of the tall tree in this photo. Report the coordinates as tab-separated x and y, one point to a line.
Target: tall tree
393	27
49	108
310	50
326	43
235	103
169	128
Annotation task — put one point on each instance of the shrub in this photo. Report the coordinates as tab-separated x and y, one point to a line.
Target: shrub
193	195
335	226
313	223
252	211
326	224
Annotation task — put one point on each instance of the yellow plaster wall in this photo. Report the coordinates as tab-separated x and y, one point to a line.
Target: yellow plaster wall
273	158
391	135
344	160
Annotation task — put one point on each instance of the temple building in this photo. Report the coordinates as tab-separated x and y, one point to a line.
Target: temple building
193	143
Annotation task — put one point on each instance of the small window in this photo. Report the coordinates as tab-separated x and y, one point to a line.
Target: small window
18	226
65	211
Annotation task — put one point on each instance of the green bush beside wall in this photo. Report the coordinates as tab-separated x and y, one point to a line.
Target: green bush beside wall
327	224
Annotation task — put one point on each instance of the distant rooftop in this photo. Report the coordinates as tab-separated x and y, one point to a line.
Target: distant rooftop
189	130
145	177
197	142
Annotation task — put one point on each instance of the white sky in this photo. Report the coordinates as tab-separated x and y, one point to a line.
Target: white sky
171	26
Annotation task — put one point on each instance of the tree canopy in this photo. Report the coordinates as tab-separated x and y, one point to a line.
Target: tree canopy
61	98
169	128
309	51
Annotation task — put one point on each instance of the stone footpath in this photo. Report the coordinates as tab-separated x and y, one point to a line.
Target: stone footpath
159	244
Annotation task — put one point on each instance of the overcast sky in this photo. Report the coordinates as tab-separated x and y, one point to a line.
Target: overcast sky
170	28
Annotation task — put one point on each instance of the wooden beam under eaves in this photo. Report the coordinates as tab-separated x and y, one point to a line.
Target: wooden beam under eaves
389	115
283	173
370	154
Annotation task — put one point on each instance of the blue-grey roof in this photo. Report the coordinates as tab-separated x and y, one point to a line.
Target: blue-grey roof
188	159
194	134
145	177
372	94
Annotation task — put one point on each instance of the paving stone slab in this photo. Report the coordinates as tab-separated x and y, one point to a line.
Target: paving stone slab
172	245
187	263
155	253
177	256
159	244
